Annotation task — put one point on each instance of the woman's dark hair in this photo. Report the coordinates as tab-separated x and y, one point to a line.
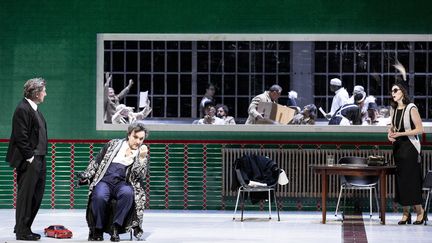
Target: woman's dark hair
405	97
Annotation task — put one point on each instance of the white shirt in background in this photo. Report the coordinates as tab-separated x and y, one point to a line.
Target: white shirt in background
341	98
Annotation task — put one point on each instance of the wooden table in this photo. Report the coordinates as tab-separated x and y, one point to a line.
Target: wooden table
353	170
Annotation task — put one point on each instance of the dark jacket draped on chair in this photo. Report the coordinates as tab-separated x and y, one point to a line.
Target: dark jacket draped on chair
255	168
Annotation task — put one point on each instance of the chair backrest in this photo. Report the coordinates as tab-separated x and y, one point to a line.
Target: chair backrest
358	180
239	177
258	168
427	182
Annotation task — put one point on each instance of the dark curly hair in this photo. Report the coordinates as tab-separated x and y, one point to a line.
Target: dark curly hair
405	97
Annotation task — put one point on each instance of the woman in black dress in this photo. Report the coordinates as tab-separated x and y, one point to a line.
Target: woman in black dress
405	127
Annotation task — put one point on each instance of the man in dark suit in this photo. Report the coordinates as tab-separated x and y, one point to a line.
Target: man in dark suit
26	153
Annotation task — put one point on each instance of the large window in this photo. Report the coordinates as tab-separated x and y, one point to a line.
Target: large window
175	69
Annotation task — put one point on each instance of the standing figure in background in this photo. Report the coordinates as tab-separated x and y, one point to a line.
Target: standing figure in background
406	125
357	89
222	113
111	100
341	96
208	97
272	95
28	147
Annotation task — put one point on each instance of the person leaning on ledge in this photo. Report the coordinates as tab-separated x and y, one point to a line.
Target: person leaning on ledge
28	147
272	95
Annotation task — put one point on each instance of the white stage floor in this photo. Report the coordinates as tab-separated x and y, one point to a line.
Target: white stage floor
218	226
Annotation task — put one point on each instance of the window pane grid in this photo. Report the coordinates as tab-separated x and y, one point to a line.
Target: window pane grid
371	64
240	70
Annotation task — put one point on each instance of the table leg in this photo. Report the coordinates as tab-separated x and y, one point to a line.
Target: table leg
383	194
324	188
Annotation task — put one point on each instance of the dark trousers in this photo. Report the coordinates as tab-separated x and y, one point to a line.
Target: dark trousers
101	195
31	186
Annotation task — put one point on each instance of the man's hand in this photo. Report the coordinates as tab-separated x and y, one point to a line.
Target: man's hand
82	180
259	117
143	151
328	116
30	160
108	78
131	82
207	119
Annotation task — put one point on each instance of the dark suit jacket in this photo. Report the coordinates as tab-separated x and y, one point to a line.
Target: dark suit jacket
25	134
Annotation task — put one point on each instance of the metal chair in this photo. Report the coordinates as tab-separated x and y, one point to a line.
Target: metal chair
358	182
245	188
427	186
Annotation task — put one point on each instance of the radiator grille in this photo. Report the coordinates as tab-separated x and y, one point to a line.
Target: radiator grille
303	181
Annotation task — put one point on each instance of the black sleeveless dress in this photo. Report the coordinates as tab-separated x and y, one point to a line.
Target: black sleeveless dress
408	171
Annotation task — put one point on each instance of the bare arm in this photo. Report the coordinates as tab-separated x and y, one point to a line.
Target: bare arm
125	91
108	79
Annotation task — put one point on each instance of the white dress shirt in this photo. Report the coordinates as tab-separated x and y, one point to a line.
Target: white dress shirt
121	156
34	106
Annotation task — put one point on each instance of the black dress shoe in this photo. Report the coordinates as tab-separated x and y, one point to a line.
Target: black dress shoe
114	233
38	236
138	233
95	235
30	237
406	221
424	218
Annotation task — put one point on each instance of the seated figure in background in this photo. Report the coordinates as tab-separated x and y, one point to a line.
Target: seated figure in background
125	115
306	117
222	113
117	173
210	116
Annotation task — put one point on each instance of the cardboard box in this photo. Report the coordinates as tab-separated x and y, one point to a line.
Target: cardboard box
274	113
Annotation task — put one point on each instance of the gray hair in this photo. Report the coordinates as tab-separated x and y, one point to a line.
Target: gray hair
33	87
276	88
137	127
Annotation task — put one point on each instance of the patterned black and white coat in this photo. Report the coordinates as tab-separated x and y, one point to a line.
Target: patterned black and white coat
135	174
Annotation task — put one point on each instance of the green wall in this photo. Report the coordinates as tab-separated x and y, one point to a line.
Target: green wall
57	40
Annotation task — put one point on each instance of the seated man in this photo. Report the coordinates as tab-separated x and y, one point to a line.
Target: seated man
117	173
222	113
